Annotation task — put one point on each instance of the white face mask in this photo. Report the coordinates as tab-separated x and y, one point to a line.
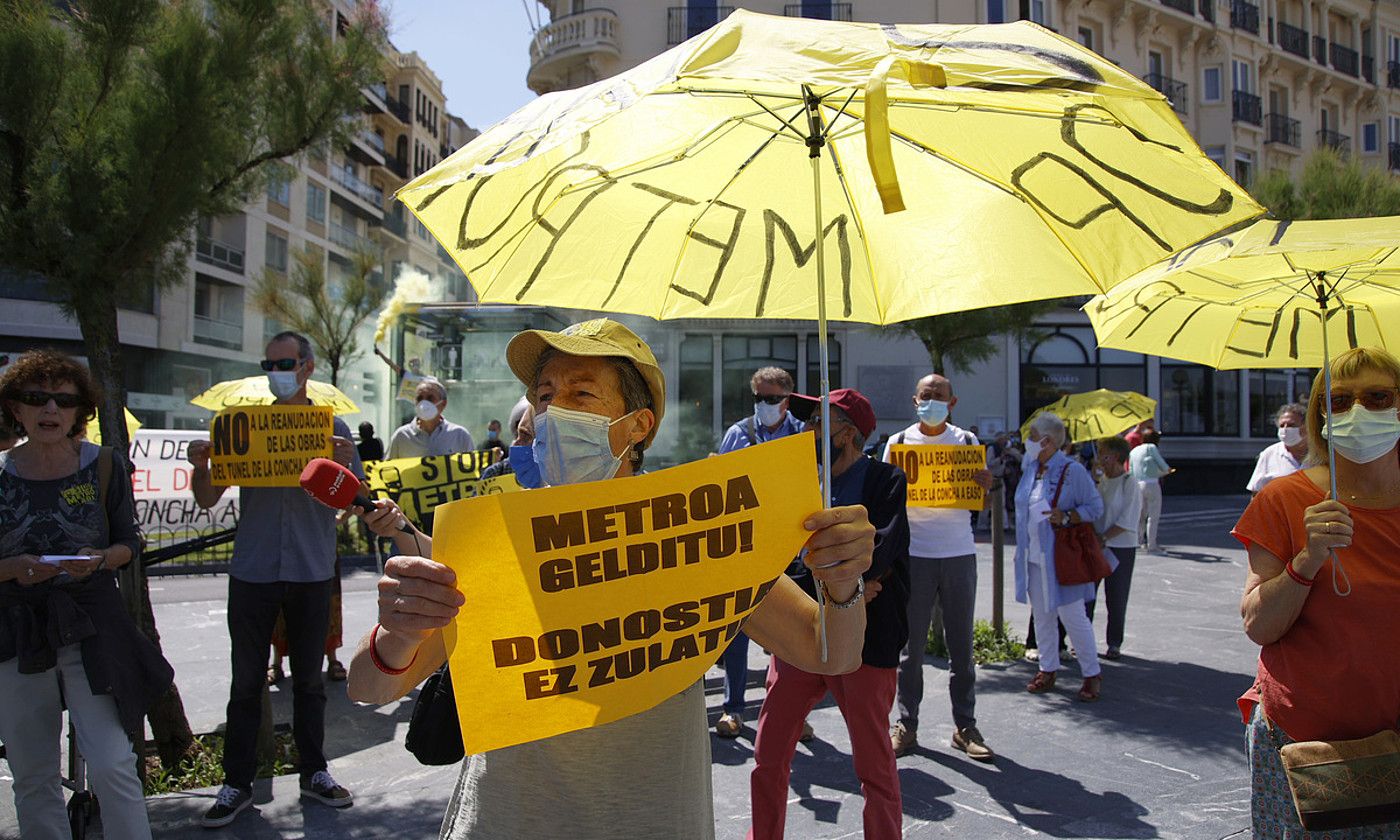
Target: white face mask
1361	435
426	410
283	383
768	415
572	447
1290	435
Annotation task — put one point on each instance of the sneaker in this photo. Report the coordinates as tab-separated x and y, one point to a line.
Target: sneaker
969	740
1113	653
1032	655
323	788
903	738
228	802
807	734
729	725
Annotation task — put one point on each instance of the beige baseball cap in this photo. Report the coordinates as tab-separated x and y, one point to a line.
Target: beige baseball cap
598	337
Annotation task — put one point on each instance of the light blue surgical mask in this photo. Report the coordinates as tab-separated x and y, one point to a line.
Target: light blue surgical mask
932	412
572	447
283	383
527	472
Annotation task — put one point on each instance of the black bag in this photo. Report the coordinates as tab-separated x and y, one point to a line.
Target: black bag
434	733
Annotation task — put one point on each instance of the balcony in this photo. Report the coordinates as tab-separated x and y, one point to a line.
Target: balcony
218	333
1208	10
1244	15
394	222
584	33
1395	156
376	97
220	254
398	109
1344	60
819	11
1319	49
349	238
1173	90
1392	74
684	22
1334	140
1293	39
1186	7
1281	129
1246	107
396	166
351	183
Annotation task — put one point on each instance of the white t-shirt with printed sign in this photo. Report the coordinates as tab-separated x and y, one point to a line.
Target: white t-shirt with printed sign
937	532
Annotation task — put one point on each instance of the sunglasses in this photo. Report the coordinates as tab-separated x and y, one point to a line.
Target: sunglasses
270	365
38	399
1375	399
771	399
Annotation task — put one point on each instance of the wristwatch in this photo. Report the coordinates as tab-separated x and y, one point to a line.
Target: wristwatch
855	598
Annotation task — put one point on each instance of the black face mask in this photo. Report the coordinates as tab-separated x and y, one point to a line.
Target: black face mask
836	451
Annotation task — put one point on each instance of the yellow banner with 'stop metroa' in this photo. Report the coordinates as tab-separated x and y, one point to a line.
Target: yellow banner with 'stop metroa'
588	603
268	445
941	476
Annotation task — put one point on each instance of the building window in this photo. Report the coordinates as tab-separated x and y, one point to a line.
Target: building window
1065	361
1197	400
1268	391
1038	11
1244	168
996	11
814	363
1242	73
696	394
1371	137
1216	155
276	251
1086	37
1210	84
315	203
279	189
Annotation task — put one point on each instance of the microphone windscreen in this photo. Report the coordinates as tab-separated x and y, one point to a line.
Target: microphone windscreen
330	483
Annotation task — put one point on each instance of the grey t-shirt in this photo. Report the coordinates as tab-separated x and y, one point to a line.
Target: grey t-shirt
645	777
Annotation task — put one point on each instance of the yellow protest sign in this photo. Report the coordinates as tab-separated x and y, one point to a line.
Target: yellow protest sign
588	603
268	445
419	485
941	476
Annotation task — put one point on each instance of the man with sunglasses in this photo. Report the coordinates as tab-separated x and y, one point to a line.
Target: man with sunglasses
772	386
283	560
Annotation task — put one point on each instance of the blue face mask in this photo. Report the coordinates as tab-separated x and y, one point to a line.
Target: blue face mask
932	412
572	447
527	472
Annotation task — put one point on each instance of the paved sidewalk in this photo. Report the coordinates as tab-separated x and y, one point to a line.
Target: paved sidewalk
1161	755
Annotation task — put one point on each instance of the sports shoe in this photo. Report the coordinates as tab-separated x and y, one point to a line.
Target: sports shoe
729	725
1032	655
228	802
321	787
1113	653
969	740
903	738
807	734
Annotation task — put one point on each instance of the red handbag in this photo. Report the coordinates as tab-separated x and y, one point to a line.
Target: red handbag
1078	556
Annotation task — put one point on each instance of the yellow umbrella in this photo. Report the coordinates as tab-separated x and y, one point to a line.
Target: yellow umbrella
253	390
94	433
1096	414
1259	298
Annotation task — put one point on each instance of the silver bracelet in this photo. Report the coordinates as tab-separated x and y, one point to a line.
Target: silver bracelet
856	598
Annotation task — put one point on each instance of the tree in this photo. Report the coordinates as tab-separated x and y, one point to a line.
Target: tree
962	339
122	122
1331	187
329	314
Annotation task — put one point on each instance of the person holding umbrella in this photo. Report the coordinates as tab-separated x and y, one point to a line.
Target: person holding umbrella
1327	665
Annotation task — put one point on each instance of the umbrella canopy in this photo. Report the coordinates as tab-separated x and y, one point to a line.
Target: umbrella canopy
1097	414
253	390
94	431
1027	167
1256	298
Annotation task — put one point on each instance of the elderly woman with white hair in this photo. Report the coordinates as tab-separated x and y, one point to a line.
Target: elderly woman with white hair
1055	489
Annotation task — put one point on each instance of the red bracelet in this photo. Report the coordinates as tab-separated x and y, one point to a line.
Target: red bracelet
1287	567
379	663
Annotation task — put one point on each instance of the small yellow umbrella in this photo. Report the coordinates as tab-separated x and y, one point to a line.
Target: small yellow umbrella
94	433
1097	414
253	390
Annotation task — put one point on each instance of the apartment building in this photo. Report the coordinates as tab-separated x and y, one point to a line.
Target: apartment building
1258	86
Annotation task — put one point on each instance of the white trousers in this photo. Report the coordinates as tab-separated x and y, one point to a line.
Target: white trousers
31	726
1047	634
1151	514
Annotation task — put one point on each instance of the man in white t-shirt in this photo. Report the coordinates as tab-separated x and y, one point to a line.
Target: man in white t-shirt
942	570
1287	455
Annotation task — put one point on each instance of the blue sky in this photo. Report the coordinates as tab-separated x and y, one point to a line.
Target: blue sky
479	48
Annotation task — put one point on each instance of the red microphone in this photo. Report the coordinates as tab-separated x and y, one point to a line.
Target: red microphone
333	485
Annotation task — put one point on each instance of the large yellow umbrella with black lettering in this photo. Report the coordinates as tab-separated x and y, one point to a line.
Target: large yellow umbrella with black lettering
253	390
1096	414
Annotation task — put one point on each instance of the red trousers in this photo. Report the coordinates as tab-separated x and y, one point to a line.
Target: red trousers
865	698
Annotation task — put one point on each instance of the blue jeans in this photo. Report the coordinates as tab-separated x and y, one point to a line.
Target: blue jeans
736	673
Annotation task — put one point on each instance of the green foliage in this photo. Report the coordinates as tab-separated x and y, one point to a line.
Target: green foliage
962	339
203	765
986	647
328	313
1332	186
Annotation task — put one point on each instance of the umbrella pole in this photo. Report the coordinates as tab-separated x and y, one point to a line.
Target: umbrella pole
815	141
1327	384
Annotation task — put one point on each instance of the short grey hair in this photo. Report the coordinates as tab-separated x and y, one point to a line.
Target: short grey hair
1292	408
1049	424
304	349
432	382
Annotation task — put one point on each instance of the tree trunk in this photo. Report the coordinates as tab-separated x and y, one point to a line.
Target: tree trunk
96	312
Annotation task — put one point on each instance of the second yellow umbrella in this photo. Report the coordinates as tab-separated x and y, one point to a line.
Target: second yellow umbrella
253	390
1097	414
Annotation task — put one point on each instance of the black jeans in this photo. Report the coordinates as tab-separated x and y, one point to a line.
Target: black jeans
252	613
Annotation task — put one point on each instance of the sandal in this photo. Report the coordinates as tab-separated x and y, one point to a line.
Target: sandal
275	674
335	671
1089	692
1043	682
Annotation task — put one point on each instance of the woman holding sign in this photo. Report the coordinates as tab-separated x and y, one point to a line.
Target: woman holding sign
66	523
1055	491
600	394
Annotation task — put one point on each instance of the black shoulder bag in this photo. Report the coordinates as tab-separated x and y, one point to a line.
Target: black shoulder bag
434	732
